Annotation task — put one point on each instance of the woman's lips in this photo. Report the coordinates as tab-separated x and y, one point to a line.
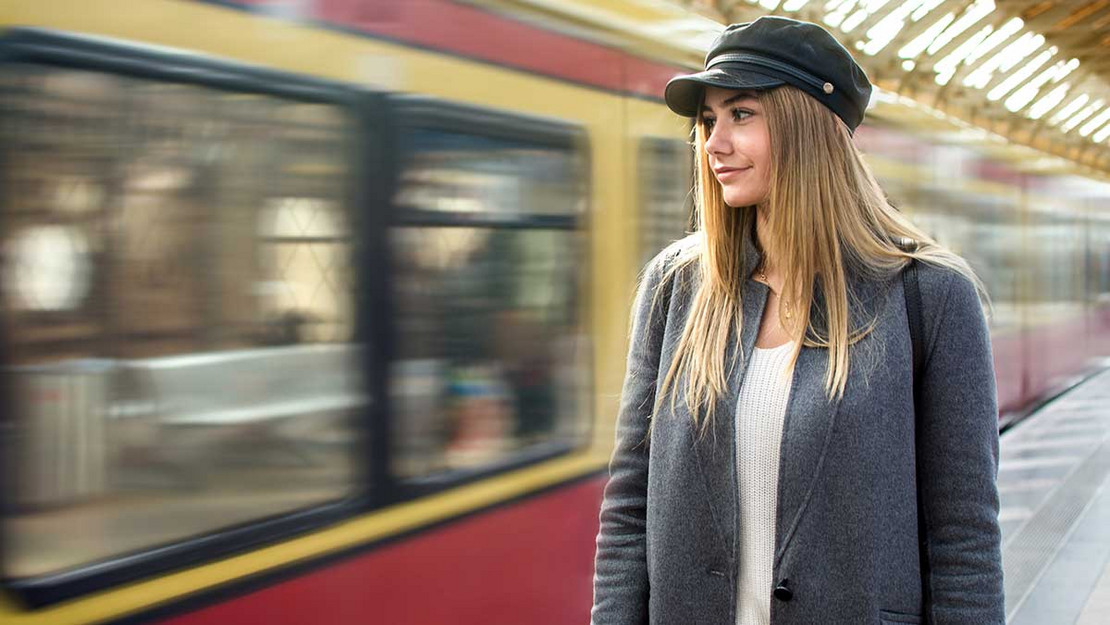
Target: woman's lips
725	172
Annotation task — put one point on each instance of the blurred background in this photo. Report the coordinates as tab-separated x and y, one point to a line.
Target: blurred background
312	308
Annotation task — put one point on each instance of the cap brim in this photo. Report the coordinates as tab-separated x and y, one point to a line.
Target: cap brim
683	93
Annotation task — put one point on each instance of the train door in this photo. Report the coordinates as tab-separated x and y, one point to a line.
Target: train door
181	241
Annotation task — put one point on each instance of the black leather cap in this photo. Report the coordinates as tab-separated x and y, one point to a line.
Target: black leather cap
774	51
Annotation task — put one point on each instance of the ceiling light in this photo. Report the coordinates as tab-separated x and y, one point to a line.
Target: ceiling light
1021	52
918	45
1070	109
947	66
973	14
1068	68
854	20
1009	56
793	5
1023	74
1009	29
924	9
1020	98
888	28
1095	123
1048	102
875	5
833	19
1101	135
837	11
1029	90
1081	115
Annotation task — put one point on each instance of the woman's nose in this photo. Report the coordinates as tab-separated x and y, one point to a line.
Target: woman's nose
717	142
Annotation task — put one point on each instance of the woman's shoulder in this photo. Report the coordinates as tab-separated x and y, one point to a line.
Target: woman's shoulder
950	296
941	284
668	273
672	258
940	272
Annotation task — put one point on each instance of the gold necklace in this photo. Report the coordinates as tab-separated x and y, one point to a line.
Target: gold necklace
786	310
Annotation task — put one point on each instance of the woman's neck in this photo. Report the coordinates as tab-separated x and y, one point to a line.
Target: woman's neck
769	269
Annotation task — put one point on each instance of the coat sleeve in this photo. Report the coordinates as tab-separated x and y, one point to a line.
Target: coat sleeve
620	569
959	461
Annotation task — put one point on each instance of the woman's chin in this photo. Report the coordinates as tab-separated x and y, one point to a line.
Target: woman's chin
740	200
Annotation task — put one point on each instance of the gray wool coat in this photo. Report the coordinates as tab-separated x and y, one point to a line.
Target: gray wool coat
846	535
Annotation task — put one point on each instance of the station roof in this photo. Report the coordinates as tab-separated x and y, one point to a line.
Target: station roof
1028	73
1033	71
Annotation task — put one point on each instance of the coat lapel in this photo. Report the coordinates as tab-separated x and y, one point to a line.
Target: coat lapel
716	451
808	426
810	417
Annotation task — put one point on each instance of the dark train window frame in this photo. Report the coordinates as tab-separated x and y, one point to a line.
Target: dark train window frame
419	112
369	189
662	149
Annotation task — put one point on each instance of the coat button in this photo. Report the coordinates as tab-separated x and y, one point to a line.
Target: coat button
783	592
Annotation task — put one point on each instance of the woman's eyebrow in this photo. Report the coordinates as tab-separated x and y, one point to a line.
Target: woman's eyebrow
743	95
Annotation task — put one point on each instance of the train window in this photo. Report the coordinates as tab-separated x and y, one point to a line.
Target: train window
998	262
985	229
666	198
488	260
175	259
1057	268
1098	263
488	178
983	225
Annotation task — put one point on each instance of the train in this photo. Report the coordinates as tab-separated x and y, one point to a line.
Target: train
317	312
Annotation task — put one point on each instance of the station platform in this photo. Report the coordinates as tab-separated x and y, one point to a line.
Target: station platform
1054	484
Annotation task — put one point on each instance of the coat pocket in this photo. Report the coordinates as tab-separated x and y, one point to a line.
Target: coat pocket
886	617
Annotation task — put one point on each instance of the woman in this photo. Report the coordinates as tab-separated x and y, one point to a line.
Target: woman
767	468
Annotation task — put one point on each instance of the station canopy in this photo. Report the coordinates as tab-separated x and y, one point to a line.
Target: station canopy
1029	79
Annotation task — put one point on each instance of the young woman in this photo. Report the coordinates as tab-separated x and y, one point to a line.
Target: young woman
778	459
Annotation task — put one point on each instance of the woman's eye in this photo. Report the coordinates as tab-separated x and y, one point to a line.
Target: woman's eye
709	123
740	114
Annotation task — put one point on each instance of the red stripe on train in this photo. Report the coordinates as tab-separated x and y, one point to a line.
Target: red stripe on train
528	562
472	32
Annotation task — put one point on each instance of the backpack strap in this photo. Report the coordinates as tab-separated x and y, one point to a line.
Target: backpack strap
916	318
915	314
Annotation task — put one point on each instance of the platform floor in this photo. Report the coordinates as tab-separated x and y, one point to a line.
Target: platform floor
1054	482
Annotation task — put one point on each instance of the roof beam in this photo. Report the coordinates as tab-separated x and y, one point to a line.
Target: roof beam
1080	30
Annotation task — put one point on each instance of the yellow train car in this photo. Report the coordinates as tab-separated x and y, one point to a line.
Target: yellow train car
316	312
316	304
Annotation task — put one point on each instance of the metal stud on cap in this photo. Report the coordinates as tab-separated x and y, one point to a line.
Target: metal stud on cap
828	87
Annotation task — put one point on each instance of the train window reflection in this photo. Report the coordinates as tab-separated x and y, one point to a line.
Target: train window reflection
48	268
1058	292
1098	268
666	175
187	360
490	357
465	174
487	344
978	219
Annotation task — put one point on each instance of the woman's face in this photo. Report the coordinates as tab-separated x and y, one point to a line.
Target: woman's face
738	145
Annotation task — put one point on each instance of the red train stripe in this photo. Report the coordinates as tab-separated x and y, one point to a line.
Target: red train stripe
528	562
475	33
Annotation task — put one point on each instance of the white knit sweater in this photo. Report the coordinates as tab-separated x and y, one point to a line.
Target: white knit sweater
760	413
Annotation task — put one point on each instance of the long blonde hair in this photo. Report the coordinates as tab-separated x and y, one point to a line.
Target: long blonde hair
825	213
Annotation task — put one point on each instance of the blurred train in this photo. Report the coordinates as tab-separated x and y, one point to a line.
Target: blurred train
316	312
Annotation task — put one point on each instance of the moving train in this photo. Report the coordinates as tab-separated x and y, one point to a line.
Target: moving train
316	312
